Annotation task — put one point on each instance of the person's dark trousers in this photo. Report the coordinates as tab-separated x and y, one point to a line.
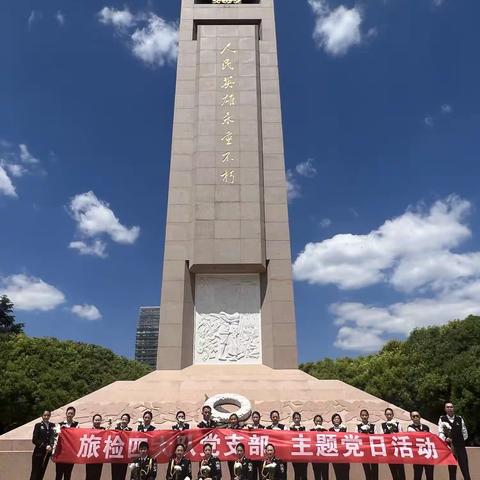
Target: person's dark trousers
398	471
93	471
300	470
230	469
320	470
39	465
371	471
257	468
119	470
462	459
342	471
63	471
419	469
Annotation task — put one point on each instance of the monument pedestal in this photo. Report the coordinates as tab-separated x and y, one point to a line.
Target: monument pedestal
165	392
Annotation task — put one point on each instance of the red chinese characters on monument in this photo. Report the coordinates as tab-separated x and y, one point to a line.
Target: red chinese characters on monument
92	446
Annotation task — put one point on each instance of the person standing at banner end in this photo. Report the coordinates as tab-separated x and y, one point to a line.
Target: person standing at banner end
42	438
452	429
418	426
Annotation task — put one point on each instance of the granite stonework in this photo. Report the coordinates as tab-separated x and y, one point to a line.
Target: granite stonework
164	392
227	206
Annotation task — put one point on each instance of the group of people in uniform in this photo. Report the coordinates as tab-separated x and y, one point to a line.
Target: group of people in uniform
451	429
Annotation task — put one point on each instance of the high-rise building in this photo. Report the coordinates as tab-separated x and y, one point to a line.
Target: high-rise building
146	343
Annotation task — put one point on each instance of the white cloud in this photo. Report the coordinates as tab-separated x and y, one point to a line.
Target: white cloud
386	254
413	254
117	18
26	156
95	218
429	122
88	312
96	248
446	108
336	31
293	187
60	17
30	293
6	185
17	163
34	17
325	222
15	169
151	39
307	168
366	328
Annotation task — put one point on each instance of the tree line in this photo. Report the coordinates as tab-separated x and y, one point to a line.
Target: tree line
434	365
46	373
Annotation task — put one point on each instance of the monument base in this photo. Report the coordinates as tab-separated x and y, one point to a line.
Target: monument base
166	391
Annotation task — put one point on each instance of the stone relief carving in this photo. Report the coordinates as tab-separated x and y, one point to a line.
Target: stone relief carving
228	337
227	319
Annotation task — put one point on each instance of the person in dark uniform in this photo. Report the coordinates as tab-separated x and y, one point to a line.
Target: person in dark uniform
256	425
233	424
93	471
207	421
181	424
276	425
320	470
418	426
119	470
300	469
275	418
342	470
370	469
42	438
179	467
243	468
272	467
146	425
63	471
144	467
389	427
210	467
452	429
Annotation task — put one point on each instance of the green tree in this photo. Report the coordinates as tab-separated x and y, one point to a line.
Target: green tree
7	318
46	373
434	365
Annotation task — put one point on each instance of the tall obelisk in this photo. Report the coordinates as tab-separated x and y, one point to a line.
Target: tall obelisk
227	294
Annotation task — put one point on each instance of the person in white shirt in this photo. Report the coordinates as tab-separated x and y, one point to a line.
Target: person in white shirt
452	429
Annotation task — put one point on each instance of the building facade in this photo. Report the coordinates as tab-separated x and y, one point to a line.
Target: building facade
146	343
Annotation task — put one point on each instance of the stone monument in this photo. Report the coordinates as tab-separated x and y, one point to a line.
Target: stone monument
227	266
227	321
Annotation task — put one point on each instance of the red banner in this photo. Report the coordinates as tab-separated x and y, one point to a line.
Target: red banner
78	445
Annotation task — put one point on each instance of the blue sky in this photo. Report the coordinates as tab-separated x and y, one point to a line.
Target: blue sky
381	120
